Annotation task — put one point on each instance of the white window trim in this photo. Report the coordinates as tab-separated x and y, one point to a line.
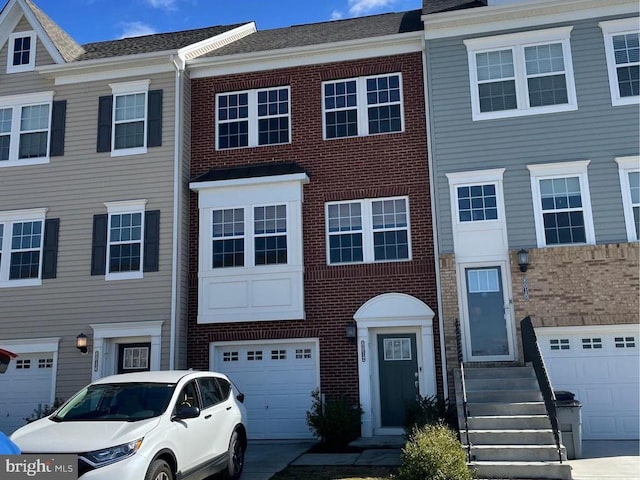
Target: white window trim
117	208
368	254
361	106
626	165
8	218
252	117
609	30
560	170
478	177
517	42
123	89
16	102
249	236
11	68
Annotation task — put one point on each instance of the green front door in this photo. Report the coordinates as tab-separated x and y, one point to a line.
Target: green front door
398	367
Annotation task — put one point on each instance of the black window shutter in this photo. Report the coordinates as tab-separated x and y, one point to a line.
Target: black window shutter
154	125
105	106
151	241
58	116
99	244
50	247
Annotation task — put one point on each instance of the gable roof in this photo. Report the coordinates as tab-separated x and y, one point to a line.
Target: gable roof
66	46
325	32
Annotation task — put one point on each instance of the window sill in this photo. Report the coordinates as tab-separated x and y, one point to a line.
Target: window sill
478	116
24	162
30	282
123	276
128	151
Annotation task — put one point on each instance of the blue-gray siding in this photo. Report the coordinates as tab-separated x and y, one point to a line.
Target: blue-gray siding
597	131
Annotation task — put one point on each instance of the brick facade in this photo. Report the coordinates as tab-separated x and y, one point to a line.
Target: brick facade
567	286
340	169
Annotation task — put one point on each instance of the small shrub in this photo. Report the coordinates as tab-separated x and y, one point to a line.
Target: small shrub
43	411
433	452
430	411
336	422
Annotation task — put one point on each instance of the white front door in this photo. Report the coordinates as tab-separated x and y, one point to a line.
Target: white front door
277	379
489	324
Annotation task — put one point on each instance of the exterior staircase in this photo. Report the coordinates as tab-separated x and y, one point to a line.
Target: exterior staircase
509	431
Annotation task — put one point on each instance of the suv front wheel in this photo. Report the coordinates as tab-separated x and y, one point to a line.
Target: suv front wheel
159	470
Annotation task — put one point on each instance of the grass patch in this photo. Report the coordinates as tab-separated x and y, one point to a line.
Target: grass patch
345	472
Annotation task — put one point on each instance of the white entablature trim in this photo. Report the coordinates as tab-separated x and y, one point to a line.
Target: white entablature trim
530	14
308	55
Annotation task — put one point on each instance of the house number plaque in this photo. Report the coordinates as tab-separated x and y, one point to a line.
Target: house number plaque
364	355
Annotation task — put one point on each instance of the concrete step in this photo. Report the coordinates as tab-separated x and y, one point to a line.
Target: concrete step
515	408
499	372
478	384
522	470
511	453
508	422
504	396
508	437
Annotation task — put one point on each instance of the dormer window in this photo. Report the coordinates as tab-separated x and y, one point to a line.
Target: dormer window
22	52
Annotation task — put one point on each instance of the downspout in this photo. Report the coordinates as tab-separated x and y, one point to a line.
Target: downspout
434	219
179	65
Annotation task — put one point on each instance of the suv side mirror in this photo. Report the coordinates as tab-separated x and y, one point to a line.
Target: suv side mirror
185	410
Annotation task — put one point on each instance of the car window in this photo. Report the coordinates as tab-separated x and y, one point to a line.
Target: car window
189	396
210	390
225	387
117	401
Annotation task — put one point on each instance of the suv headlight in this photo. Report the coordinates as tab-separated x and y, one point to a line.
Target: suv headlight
100	458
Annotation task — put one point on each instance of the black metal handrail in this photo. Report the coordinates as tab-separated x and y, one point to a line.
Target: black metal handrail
464	388
533	355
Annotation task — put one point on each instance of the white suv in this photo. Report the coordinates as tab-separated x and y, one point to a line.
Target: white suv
159	425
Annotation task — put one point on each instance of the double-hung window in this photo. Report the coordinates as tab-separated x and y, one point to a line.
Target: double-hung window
249	236
130	120
521	74
22	52
253	118
562	203
629	170
367	231
362	106
23	247
25	128
622	47
125	241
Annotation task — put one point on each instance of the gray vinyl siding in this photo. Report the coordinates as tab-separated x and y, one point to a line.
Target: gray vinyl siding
74	188
596	131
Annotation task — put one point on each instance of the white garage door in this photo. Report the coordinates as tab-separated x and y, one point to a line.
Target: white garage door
601	366
25	387
277	380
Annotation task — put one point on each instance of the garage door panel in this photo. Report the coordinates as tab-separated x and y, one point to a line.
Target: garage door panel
30	380
277	380
605	376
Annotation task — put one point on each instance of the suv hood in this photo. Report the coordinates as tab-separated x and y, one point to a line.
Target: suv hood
46	436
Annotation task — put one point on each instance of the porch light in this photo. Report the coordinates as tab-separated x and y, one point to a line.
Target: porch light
351	331
81	343
523	259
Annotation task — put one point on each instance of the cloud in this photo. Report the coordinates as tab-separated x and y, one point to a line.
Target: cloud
136	29
164	4
364	7
336	15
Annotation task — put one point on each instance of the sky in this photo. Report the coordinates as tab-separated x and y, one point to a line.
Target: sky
98	20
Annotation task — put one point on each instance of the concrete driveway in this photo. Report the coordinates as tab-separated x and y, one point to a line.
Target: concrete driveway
607	460
266	458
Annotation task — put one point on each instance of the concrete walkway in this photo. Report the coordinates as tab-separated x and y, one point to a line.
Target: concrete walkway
601	460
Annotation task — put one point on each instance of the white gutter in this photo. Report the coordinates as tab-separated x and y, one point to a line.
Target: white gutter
434	221
179	65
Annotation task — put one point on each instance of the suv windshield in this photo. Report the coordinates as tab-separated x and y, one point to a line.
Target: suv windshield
117	401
